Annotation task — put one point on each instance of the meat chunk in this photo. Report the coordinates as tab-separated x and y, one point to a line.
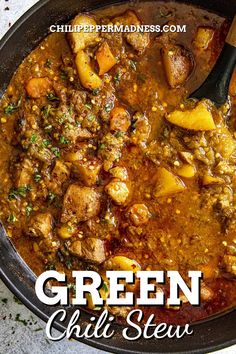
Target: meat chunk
119	120
80	203
178	64
118	191
80	40
38	87
203	37
40	225
139	214
24	173
110	150
141	129
230	264
90	249
59	175
87	171
138	40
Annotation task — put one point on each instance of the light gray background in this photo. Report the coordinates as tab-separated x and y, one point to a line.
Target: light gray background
16	337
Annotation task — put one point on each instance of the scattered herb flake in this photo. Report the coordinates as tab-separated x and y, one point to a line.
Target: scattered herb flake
52	97
48	63
12	218
28	209
55	151
16	193
63	140
133	64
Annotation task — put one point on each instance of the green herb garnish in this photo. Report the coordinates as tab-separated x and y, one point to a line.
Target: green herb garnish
55	151
12	218
16	193
52	97
28	209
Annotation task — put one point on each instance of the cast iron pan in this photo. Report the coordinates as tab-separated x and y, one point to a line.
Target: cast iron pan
22	38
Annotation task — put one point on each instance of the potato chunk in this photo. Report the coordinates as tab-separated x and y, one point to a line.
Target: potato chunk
209	180
89	79
167	183
88	171
198	118
177	63
139	214
60	173
187	171
40	225
118	191
90	249
105	58
203	37
119	120
38	87
119	172
122	263
24	173
80	40
80	204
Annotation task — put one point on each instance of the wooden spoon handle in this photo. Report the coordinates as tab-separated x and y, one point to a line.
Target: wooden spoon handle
231	37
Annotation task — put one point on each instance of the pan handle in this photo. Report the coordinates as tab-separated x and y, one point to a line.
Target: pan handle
231	37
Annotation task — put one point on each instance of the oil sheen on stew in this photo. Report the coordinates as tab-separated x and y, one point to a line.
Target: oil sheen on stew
97	173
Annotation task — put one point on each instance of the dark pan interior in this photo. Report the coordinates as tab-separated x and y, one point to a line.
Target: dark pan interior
17	43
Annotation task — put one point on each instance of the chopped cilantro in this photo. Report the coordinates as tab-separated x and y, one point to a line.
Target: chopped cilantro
16	193
108	107
12	107
102	146
95	92
46	143
55	151
18	319
48	63
52	97
46	110
63	75
12	218
133	64
117	78
91	117
72	287
88	105
63	140
51	197
33	138
29	209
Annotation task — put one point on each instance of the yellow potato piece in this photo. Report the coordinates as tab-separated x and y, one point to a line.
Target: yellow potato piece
203	37
105	58
187	171
123	263
227	144
208	180
198	118
80	40
167	183
89	79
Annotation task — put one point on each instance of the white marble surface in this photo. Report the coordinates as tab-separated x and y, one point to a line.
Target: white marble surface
26	335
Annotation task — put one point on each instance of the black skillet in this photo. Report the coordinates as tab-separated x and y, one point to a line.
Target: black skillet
24	36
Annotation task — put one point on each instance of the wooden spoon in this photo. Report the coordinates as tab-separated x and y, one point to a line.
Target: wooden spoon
216	86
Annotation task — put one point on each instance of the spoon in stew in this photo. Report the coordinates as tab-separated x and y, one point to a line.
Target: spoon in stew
216	85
